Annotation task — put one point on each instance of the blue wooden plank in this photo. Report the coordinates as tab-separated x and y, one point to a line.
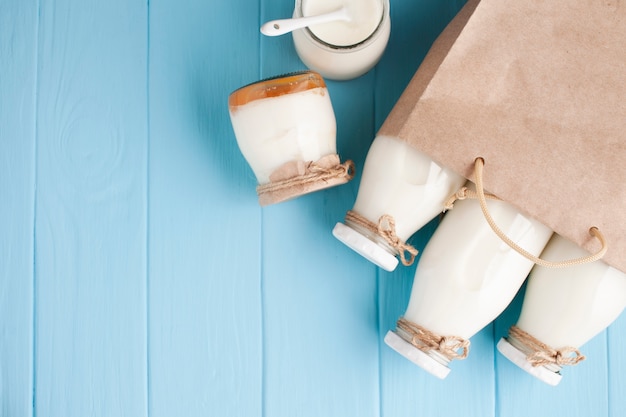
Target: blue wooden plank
90	243
320	344
205	222
319	297
250	311
18	46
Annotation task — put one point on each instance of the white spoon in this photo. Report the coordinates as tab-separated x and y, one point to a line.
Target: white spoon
282	26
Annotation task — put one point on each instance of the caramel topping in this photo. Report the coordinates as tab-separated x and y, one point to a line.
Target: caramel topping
277	86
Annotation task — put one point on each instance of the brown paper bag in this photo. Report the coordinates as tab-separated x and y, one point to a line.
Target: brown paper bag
538	89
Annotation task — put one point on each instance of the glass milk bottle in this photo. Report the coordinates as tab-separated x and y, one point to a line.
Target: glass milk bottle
465	278
401	190
343	50
562	310
285	128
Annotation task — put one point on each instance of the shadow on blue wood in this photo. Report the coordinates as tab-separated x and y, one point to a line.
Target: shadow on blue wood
138	274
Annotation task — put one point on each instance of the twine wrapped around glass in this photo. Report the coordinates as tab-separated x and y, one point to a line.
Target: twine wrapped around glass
285	128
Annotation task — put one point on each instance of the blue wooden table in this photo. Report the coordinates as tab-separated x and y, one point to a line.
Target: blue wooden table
140	277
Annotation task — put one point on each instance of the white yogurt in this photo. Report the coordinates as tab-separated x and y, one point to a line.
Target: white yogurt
298	126
566	307
467	275
343	50
365	16
400	181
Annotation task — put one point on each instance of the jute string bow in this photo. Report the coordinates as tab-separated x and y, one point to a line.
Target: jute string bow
426	341
386	228
543	354
295	178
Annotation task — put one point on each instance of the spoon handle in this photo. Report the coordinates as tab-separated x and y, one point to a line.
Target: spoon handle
282	26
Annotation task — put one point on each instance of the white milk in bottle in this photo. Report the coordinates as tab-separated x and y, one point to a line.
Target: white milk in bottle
402	186
563	308
343	50
465	278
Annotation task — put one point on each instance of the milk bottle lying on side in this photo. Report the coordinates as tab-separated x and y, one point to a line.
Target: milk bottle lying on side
400	187
562	310
465	278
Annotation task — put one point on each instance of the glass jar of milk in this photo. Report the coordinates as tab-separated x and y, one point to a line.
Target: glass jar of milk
343	50
465	278
285	128
563	309
401	190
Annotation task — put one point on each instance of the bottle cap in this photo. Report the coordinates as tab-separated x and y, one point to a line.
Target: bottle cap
416	356
519	358
365	247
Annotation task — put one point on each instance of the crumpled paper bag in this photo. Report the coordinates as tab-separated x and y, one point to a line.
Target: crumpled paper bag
538	89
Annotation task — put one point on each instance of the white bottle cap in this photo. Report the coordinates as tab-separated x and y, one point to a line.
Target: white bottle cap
416	356
365	247
519	358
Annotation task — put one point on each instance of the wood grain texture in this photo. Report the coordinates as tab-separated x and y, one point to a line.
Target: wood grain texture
320	327
18	61
319	298
140	277
205	222
90	350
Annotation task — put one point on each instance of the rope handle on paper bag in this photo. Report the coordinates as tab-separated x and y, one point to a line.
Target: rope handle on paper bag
479	163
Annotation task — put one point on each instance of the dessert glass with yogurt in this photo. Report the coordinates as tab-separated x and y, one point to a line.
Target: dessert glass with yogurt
285	128
343	50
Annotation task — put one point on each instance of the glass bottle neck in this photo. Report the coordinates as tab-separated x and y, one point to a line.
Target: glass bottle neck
526	351
435	355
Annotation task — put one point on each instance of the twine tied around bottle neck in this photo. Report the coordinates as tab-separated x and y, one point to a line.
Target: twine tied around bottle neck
465	193
385	228
295	178
427	341
542	354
